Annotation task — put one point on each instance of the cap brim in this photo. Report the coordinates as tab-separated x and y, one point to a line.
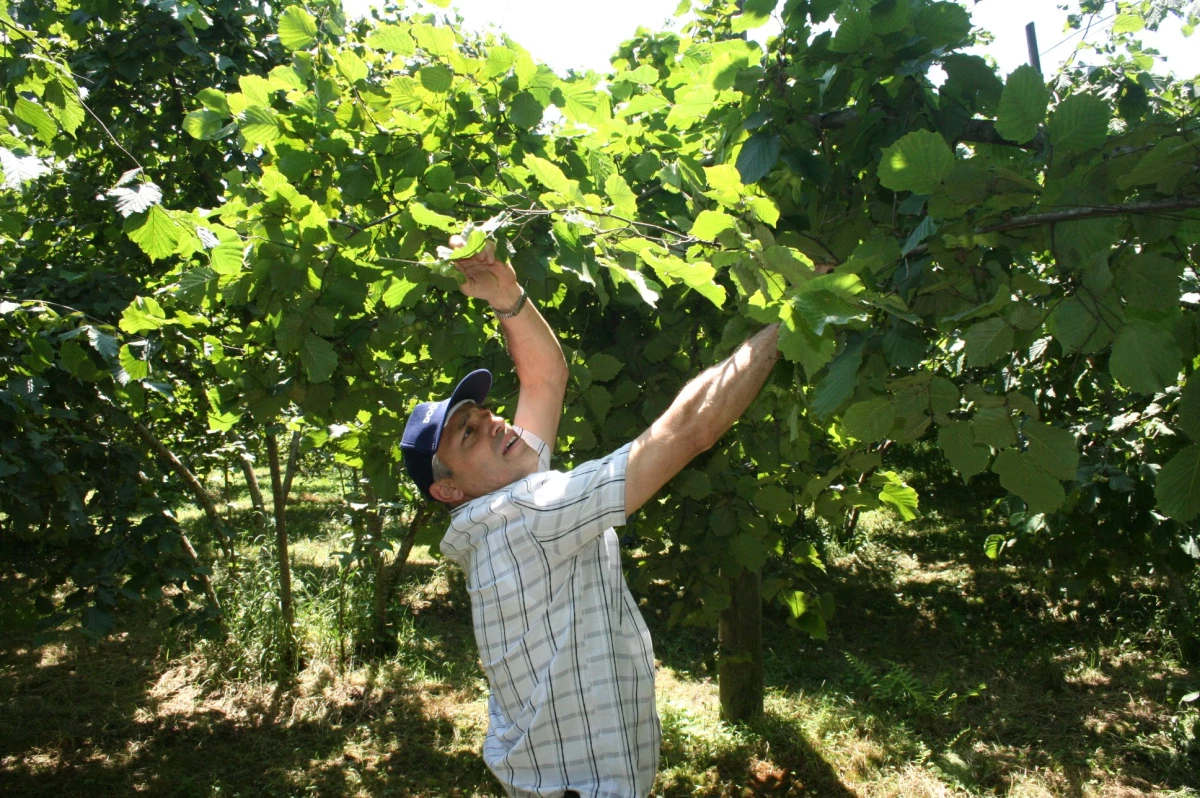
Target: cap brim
474	386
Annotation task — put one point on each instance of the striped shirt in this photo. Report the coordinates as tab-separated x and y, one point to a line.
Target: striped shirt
567	654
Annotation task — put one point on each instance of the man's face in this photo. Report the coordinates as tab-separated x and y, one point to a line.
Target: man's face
483	451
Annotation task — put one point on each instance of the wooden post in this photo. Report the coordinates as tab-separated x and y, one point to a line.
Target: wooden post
1035	59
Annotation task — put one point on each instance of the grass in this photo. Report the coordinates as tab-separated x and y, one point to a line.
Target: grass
945	674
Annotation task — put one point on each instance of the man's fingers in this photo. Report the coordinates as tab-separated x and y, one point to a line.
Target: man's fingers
457	242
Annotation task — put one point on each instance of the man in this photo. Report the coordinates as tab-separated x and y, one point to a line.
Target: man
567	654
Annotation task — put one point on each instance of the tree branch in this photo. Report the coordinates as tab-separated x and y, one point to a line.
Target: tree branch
977	131
1077	214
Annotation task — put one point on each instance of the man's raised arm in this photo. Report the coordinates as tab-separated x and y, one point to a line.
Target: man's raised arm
537	356
702	412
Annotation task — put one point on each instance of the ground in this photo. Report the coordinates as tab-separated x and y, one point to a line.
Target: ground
945	673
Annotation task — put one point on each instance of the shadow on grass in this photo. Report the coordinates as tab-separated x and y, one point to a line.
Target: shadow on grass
111	719
941	656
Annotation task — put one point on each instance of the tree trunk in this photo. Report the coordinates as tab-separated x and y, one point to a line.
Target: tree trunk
194	486
740	666
292	464
256	497
288	649
388	574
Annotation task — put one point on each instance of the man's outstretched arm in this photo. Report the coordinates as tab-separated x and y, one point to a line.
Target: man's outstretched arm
702	412
537	356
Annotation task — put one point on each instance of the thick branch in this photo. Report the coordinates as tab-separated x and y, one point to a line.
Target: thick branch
194	557
977	131
1094	212
388	574
292	464
256	497
189	479
1082	212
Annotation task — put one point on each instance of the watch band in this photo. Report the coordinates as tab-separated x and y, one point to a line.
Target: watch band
508	314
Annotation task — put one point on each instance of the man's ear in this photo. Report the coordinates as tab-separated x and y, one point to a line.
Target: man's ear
446	492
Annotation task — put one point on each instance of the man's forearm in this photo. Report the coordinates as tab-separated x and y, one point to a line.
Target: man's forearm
709	404
702	412
536	353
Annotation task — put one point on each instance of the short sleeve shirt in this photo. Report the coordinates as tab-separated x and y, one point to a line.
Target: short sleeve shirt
567	654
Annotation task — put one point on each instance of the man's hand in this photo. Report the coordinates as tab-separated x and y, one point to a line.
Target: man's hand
487	278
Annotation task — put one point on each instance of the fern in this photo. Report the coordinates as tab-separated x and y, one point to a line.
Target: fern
865	675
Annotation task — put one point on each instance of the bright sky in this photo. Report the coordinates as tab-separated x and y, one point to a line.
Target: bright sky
584	35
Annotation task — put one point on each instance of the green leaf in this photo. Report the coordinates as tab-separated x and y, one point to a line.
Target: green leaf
437	78
62	98
435	40
75	360
967	184
297	29
136	368
943	395
318	357
754	14
748	551
901	498
526	111
943	24
36	117
1079	123
1128	23
838	384
425	217
692	483
154	231
1022	105
499	61
772	500
599	400
227	257
392	39
994	545
1020	475
352	67
215	100
204	125
143	314
1177	488
994	427
710	224
1150	282
548	174
1160	164
260	125
957	442
1189	408
871	420
398	288
988	341
603	367
1052	449
917	162
692	103
1145	357
854	29
102	342
758	156
624	200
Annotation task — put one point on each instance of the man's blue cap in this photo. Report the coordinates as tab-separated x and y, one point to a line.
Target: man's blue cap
423	432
